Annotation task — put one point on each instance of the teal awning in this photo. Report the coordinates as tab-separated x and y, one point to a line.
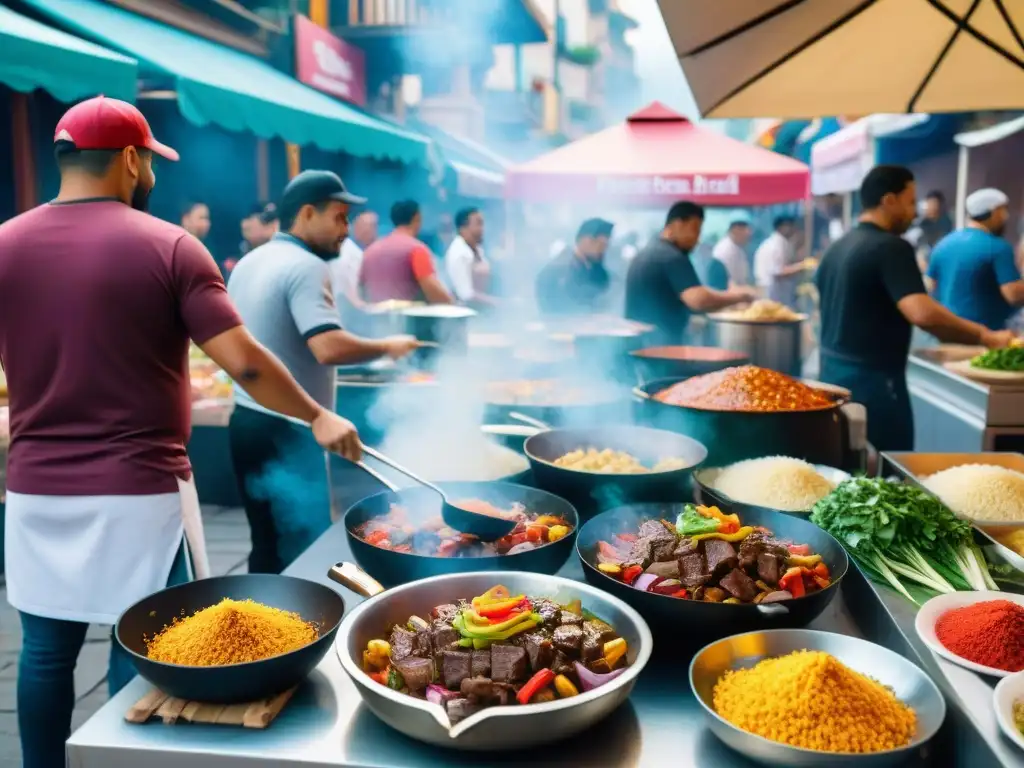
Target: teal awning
236	91
33	55
478	171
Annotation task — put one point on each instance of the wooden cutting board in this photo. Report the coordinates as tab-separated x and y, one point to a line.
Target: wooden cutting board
986	376
257	714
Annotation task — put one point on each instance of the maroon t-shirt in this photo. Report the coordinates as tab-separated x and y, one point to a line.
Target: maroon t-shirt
393	268
97	305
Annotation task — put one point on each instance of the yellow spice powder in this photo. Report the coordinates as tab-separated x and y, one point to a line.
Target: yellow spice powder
231	632
811	700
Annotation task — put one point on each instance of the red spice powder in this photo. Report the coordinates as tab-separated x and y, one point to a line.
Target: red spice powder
989	633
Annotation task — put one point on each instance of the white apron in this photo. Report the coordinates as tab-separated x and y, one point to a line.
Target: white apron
88	558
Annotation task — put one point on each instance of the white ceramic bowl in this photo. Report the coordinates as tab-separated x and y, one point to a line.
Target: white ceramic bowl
939	606
1009	690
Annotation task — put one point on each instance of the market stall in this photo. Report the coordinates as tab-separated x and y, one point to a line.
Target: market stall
836	593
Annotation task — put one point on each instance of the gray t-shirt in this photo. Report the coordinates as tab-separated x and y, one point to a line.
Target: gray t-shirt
283	292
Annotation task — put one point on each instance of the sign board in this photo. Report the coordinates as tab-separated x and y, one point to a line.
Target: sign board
329	64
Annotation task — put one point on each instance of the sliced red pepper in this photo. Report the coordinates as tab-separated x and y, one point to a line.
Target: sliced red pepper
793	582
823	583
542	679
821	570
537	533
680	593
381	677
630	537
376	537
799	549
499	608
728	526
632	573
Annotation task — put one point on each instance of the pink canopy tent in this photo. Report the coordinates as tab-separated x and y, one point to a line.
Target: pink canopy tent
655	158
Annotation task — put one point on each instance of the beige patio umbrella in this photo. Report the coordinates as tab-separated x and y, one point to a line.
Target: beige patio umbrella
805	58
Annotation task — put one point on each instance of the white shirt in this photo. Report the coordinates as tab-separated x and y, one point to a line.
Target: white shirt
459	262
770	258
345	269
735	260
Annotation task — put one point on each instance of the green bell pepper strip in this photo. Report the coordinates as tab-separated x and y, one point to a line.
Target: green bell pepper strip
690	522
526	621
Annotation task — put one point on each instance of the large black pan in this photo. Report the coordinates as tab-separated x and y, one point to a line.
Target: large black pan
421	504
820	437
711	621
593	492
233	683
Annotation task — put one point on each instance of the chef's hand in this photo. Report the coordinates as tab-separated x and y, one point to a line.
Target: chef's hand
397	347
337	435
998	339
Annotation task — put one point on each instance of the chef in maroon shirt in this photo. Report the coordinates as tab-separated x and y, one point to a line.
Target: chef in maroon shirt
101	508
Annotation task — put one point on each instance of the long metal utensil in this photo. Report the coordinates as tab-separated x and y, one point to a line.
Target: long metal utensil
484	527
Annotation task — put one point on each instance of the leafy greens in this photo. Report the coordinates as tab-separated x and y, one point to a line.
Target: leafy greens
896	530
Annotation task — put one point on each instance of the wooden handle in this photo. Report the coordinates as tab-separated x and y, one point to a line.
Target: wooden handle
359	581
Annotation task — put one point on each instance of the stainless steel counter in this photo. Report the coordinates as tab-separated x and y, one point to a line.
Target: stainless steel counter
953	414
326	724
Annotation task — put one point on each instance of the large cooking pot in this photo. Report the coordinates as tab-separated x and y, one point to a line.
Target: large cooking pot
495	729
773	344
373	398
568	402
443	324
704	622
819	437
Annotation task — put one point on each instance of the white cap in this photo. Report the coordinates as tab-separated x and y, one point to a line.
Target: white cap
981	203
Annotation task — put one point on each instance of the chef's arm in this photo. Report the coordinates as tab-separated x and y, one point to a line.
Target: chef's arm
1013	293
700	298
339	347
260	374
926	313
434	291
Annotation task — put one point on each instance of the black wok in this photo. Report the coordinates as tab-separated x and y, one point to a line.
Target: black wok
233	683
393	568
593	492
705	622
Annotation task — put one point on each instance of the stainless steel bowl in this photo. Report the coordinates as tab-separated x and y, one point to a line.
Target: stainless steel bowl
706	478
912	686
494	728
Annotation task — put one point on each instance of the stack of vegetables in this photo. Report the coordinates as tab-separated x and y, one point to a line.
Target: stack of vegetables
902	536
1010	359
494	616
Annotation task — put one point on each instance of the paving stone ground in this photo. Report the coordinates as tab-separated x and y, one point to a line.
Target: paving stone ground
227	542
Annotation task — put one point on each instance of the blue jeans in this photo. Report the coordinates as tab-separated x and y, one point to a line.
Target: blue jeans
46	679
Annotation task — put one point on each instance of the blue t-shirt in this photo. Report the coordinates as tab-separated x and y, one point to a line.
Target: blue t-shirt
968	267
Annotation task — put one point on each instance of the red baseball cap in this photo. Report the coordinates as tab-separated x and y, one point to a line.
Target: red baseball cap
103	123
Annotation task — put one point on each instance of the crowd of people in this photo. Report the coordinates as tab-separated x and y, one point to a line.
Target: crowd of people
101	505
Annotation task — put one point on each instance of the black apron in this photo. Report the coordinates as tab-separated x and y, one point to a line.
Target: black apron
883	393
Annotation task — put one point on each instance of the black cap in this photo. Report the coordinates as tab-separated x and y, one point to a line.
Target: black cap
595	228
268	214
313	188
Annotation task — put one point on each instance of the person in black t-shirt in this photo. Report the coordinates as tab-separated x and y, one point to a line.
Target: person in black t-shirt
871	294
662	287
576	281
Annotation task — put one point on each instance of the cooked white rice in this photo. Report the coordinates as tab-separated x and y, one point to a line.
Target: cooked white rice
777	482
980	492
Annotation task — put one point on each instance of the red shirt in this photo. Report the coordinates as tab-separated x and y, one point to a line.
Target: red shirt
97	304
393	267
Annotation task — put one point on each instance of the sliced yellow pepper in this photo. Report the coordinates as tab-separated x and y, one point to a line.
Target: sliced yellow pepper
804	561
548	520
556	532
565	687
614	650
494	594
475	622
379	647
741	534
609	568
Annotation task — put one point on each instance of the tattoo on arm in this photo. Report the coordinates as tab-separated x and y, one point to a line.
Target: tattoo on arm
249	375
